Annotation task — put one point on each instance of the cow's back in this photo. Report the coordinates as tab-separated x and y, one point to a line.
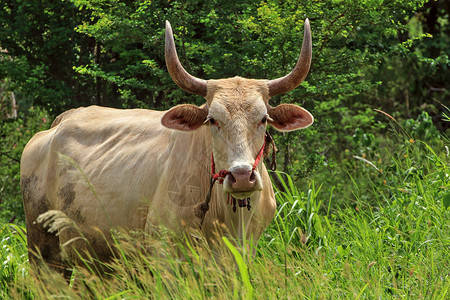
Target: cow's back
100	166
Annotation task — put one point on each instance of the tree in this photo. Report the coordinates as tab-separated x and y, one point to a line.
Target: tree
40	48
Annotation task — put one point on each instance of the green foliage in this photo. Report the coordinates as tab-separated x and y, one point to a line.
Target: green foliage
39	48
296	219
116	47
422	128
15	134
387	224
242	267
13	257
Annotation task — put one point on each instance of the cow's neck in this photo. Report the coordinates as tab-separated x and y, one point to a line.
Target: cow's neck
194	152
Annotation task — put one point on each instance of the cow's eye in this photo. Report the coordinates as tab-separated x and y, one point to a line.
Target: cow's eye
212	121
264	120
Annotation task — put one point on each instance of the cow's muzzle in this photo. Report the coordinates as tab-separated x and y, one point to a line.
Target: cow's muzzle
242	181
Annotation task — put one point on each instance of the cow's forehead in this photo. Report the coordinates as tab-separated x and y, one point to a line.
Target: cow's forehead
229	98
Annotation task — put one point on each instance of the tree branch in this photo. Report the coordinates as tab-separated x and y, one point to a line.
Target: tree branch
10	157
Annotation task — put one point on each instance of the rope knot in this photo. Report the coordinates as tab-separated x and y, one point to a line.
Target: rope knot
221	175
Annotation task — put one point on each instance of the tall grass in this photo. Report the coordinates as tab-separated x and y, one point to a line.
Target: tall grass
13	256
391	240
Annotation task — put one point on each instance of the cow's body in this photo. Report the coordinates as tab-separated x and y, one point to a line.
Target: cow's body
134	169
142	175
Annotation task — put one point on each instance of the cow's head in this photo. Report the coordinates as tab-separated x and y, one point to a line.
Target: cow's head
238	111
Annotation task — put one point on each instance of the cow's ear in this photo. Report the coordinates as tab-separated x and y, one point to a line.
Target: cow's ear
288	117
185	117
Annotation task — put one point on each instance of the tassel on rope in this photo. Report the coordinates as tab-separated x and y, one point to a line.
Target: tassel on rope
269	140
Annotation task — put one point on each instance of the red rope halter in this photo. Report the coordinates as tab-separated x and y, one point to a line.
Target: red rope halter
223	173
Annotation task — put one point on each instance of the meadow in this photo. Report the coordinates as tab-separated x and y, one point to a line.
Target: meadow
387	237
362	195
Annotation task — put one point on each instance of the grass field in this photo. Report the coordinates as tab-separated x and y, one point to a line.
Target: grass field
381	232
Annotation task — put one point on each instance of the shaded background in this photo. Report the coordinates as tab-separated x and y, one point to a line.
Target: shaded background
367	54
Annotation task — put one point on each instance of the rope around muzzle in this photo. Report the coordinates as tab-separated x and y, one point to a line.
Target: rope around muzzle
222	174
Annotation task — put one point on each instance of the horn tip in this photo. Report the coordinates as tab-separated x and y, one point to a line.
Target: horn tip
168	24
307	32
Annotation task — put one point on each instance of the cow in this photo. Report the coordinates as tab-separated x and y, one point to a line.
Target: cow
135	169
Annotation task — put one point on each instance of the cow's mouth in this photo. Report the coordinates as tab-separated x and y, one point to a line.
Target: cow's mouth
242	194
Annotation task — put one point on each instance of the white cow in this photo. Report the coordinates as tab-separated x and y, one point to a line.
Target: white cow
137	168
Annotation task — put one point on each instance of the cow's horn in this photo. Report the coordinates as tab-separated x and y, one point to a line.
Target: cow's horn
182	78
298	74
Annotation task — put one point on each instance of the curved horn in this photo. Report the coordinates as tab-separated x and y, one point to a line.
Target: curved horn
298	74
179	75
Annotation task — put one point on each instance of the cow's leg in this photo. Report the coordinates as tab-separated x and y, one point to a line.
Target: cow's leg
42	245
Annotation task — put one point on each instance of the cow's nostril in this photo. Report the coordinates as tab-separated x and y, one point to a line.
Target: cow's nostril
231	178
252	177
